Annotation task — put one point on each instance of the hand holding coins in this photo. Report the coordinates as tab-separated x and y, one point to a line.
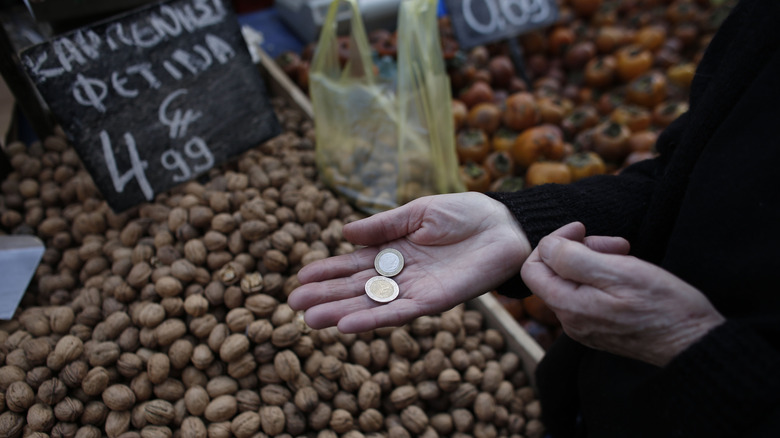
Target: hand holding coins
381	288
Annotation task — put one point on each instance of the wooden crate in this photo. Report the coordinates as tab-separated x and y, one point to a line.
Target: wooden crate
496	316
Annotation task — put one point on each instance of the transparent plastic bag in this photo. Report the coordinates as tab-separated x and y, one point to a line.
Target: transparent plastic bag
383	141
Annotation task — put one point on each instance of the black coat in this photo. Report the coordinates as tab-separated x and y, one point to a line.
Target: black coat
707	210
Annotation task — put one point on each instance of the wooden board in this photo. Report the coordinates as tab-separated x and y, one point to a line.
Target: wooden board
496	316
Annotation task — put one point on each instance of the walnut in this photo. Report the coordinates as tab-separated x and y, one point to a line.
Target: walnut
275	395
307	398
484	407
371	420
40	417
11	424
221	408
159	412
119	397
414	419
404	344
68	348
331	367
464	396
196	399
287	365
341	421
157	367
380	353
463	420
245	424
234	347
252	283
326	388
428	390
19	396
272	420
320	417
403	396
442	423
294	419
449	380
261	305
492	377
353	376
369	395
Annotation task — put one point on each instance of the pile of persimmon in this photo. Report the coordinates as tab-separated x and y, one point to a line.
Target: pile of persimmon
600	85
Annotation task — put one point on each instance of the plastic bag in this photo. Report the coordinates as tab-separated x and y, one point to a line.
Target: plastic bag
384	140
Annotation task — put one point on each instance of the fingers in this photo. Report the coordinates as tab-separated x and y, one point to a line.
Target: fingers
608	244
577	262
338	266
381	227
334	290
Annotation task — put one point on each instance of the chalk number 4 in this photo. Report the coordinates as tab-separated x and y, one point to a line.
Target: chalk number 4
195	149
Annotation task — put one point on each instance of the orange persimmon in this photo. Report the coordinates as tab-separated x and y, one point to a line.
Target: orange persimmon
537	143
546	172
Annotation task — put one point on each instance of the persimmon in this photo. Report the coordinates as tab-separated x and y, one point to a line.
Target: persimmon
501	71
609	38
642	141
553	110
559	39
585	164
485	116
632	62
651	36
472	145
521	111
475	177
459	113
581	118
681	74
478	92
610	141
600	72
499	164
537	143
585	8
547	172
507	184
647	90
579	54
503	139
666	112
637	118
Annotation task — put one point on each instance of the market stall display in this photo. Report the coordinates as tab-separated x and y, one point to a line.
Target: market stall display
602	82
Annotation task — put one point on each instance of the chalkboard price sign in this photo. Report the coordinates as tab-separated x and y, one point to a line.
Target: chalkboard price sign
483	21
154	97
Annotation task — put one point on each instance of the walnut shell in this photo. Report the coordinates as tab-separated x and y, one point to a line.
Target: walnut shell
341	421
119	397
414	419
369	395
287	365
403	396
159	412
245	424
371	420
221	408
272	420
404	344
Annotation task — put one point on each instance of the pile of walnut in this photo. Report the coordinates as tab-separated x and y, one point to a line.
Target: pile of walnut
170	320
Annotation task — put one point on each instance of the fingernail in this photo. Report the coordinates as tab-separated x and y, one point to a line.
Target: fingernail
548	246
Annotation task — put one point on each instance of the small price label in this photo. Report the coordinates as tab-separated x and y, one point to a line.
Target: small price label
483	21
155	97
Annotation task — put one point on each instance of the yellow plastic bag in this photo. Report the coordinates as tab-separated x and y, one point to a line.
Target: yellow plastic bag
382	143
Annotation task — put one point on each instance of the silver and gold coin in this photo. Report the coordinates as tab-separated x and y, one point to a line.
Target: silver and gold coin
389	262
382	289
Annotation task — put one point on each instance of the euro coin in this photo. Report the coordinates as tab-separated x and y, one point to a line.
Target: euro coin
382	289
389	262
